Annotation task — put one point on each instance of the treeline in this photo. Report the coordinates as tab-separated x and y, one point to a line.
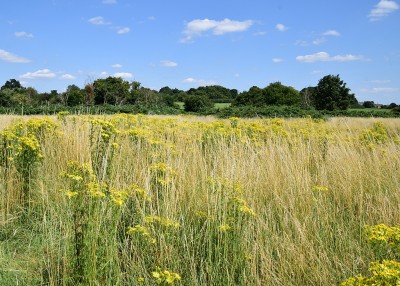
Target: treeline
113	94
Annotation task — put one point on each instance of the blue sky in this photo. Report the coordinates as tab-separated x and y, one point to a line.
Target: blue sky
50	44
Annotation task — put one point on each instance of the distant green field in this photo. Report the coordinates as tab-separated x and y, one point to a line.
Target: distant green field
222	105
370	110
216	105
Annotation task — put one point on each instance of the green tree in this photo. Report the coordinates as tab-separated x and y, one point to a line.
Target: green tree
111	90
278	94
307	97
251	97
197	103
369	104
331	93
74	96
12	84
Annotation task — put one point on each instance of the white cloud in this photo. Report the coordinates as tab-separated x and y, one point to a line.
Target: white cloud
9	57
381	81
99	20
281	27
380	90
167	63
277	60
197	27
103	74
123	30
123	74
199	82
382	9
117	66
325	57
67	77
109	1
319	41
45	73
331	33
23	35
261	33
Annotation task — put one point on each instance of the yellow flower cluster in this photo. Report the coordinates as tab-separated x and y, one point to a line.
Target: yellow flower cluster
142	231
241	206
386	272
382	233
319	189
164	222
165	276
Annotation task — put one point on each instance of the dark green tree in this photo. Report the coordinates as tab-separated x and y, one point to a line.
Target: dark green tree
278	94
254	96
307	97
74	96
369	104
12	84
197	103
331	93
111	90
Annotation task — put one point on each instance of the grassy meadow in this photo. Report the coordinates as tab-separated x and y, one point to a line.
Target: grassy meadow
183	200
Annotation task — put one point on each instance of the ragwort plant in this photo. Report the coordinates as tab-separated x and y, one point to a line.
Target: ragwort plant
386	242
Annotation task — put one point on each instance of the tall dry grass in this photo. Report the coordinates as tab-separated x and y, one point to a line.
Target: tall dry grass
196	201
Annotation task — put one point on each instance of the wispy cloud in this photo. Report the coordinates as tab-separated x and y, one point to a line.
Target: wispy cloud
261	33
333	33
123	74
199	82
109	1
116	66
23	35
382	9
10	57
281	27
277	60
167	63
123	30
45	73
99	20
197	27
319	41
67	77
380	81
325	57
380	90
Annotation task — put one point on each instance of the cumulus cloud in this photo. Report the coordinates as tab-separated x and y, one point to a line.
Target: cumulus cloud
198	27
382	9
117	66
123	74
331	33
10	57
99	20
109	1
45	73
23	35
123	30
67	77
277	60
167	63
281	27
199	82
325	57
